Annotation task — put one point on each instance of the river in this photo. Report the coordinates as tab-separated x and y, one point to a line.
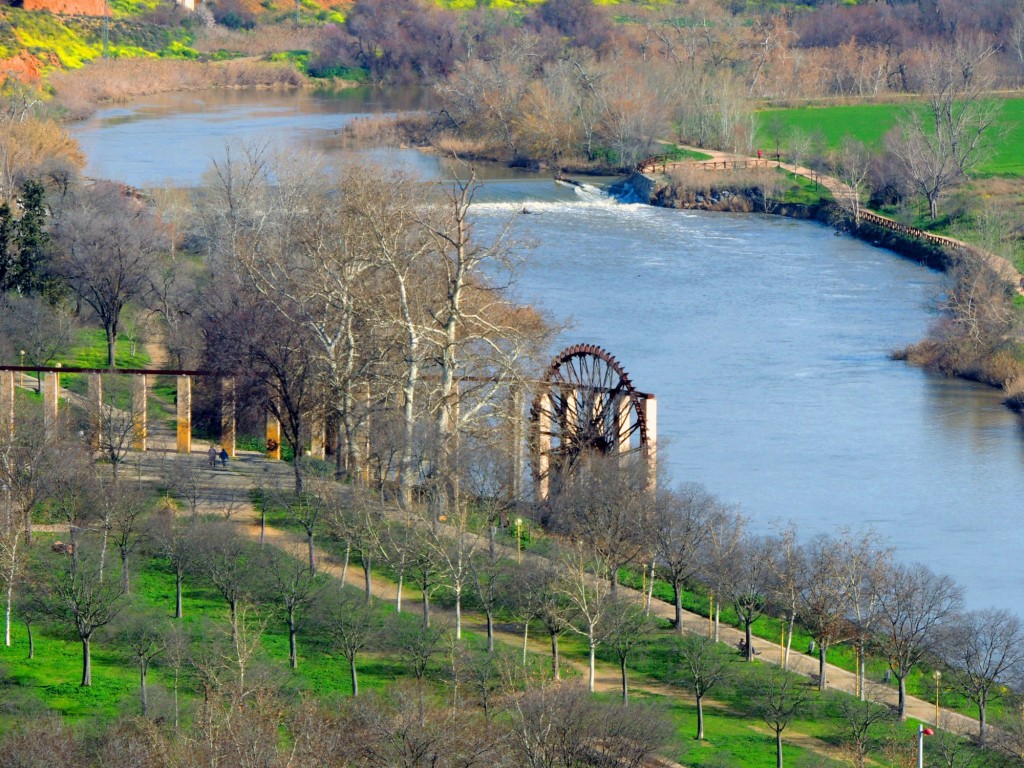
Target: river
764	339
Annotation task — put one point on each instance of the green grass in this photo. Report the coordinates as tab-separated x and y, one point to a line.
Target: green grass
869	123
90	351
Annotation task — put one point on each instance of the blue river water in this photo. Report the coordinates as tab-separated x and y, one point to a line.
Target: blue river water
765	339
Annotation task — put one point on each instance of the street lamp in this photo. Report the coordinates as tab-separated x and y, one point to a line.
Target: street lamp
23	365
921	733
519	540
937	675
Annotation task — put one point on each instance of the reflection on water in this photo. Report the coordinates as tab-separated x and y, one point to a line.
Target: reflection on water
765	340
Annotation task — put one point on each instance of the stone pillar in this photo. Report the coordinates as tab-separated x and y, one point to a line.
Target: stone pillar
184	414
94	404
542	459
650	411
273	436
140	386
518	444
51	398
228	424
6	403
318	434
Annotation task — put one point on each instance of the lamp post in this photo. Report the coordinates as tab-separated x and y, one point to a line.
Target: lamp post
921	733
937	675
519	540
23	365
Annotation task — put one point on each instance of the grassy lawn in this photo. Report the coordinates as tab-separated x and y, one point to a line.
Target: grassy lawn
870	122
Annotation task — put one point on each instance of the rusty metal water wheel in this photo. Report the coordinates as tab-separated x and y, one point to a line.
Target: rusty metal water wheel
585	403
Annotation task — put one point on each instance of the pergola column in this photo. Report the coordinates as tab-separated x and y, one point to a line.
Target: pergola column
543	447
6	403
94	405
184	414
518	444
228	422
51	393
140	386
650	410
273	436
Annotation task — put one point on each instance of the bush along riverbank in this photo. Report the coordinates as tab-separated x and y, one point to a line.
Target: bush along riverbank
978	334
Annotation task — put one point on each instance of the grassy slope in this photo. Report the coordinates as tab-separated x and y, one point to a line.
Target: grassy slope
869	123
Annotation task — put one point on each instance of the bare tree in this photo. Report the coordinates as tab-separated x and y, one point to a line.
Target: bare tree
588	598
780	697
863	565
940	145
859	719
38	331
75	595
725	532
108	245
914	605
823	599
626	625
607	504
852	166
141	636
227	561
984	652
681	523
177	539
703	664
749	582
352	625
786	560
295	588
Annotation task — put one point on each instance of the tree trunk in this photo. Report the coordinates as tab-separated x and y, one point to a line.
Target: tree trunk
368	577
778	749
143	698
901	706
31	640
352	672
526	636
593	651
982	707
86	664
789	639
293	652
398	597
677	600
179	578
822	667
750	646
625	685
344	562
649	598
718	618
490	630
700	718
111	347
7	613
426	609
458	615
125	585
312	553
554	656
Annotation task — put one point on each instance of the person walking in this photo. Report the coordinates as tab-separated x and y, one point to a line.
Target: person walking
212	454
223	457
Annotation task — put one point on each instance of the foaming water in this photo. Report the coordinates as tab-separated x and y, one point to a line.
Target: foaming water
766	340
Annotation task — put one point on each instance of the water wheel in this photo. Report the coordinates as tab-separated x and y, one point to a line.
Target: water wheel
585	403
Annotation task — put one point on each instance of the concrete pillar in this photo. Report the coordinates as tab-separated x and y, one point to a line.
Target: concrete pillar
623	407
140	414
94	404
6	403
517	445
51	397
228	423
273	436
650	411
542	459
318	434
184	414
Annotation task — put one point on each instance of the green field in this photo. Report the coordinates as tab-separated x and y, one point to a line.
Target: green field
870	122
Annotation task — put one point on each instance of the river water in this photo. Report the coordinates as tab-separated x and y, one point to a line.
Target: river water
764	339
